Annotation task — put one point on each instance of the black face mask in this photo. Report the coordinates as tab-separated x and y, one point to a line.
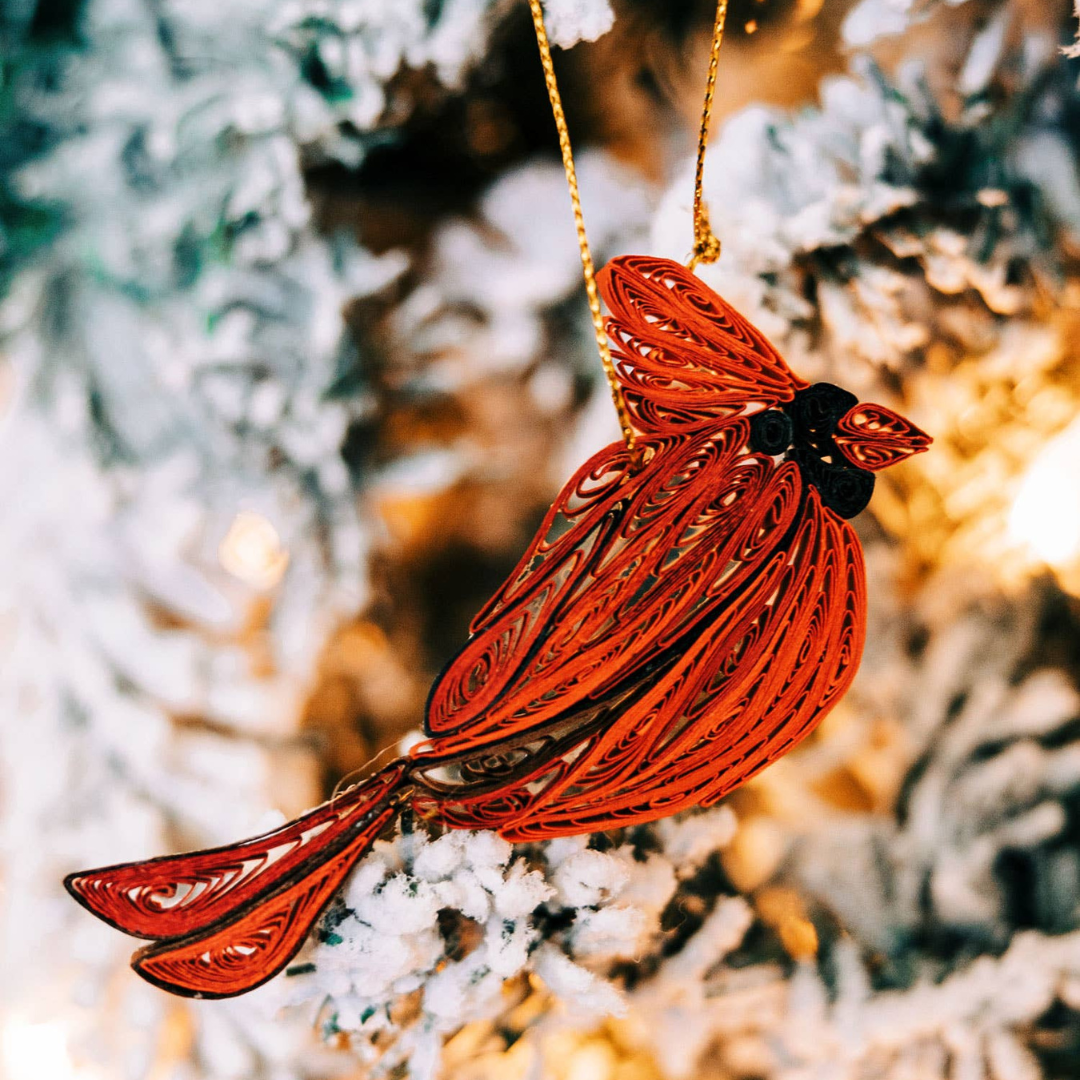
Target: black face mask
803	431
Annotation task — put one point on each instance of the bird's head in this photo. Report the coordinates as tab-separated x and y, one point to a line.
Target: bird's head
837	441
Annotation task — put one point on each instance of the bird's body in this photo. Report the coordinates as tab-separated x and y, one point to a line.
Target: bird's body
679	621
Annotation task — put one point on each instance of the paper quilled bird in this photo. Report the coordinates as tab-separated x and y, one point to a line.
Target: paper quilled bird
682	618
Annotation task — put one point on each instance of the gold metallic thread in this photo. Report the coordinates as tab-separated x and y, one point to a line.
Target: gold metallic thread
706	245
579	223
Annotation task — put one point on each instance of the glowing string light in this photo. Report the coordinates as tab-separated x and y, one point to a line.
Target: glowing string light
252	551
1045	516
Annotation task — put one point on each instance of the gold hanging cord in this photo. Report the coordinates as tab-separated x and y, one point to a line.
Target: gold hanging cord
579	224
706	245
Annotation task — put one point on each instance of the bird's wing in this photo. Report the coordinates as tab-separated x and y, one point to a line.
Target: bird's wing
684	356
747	686
624	564
733	680
629	559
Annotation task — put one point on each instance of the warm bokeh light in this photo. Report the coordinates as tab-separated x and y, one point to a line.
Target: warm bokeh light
252	551
1045	516
35	1051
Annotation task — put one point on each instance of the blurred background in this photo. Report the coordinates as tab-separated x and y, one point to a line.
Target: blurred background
294	353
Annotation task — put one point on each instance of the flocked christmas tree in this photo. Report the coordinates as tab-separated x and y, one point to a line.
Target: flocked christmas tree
292	314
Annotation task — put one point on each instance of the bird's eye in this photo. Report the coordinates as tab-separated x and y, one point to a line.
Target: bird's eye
770	432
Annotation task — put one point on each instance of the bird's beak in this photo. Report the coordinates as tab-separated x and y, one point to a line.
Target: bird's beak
873	437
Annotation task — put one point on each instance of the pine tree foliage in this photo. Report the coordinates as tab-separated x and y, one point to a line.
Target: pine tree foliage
224	419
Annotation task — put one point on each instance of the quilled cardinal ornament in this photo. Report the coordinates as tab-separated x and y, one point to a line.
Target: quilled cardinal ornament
690	609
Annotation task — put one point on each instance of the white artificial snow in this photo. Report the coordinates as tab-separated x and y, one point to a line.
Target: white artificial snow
873	19
571	21
384	939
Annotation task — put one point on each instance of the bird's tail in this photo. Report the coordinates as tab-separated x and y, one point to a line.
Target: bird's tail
227	919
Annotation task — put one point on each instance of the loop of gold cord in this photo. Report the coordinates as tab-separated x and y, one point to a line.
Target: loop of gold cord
706	245
579	223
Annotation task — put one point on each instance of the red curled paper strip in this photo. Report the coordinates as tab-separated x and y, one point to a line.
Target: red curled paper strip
874	437
677	623
174	895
